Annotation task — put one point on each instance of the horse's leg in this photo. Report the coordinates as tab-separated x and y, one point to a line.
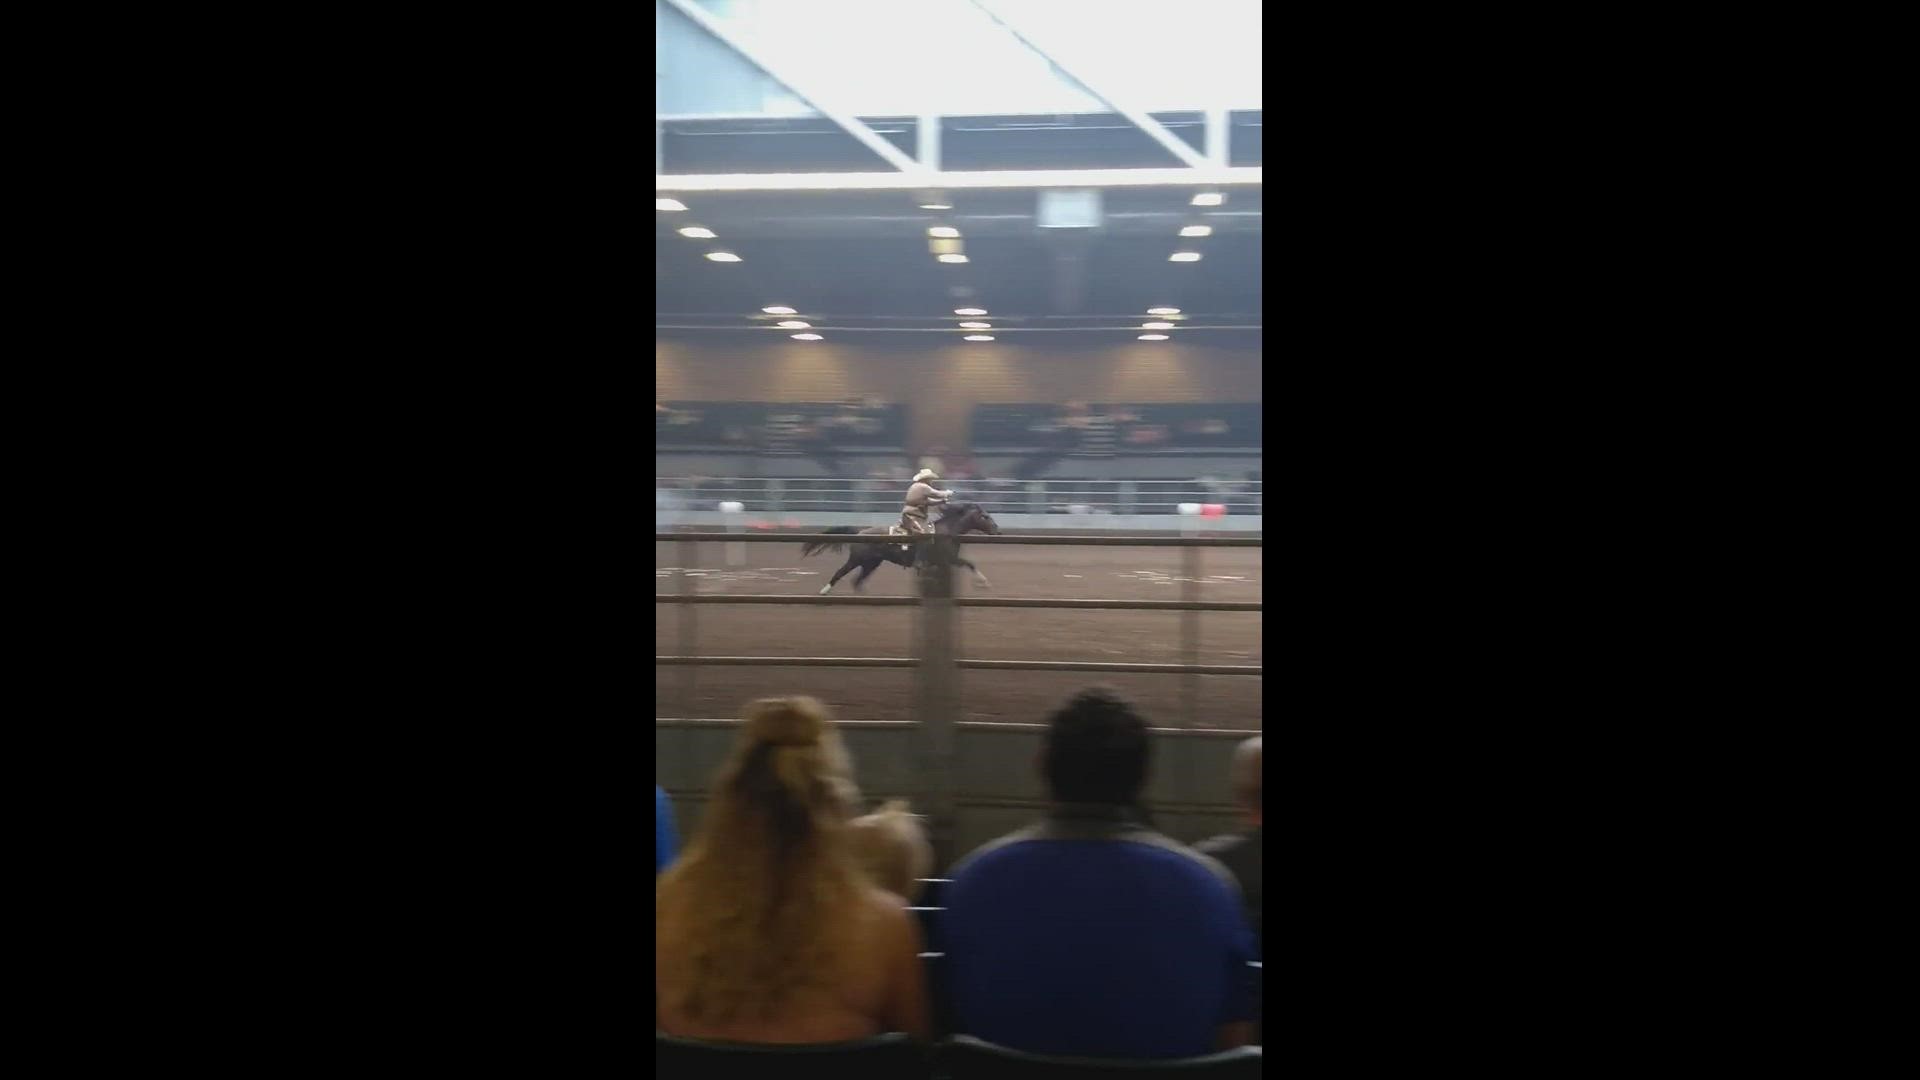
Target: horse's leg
977	575
837	575
861	578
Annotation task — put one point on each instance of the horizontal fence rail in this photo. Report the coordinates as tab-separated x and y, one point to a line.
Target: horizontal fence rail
969	538
962	601
1089	665
1001	727
788	661
1004	665
775	495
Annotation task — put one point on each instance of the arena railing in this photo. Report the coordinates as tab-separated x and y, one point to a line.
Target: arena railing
779	495
938	696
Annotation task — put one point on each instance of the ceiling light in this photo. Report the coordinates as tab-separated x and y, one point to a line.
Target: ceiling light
979	337
950	257
1150	311
779	311
728	256
1209	198
806	337
1178	256
1190	230
795	324
695	232
942	230
1153	337
969	311
976	326
1143	326
936	206
1184	177
669	204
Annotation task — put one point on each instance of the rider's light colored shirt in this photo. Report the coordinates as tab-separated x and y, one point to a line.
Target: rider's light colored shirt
920	494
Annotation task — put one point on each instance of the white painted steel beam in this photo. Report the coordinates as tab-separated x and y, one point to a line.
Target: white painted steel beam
888	152
928	141
1155	130
1218	127
1207	176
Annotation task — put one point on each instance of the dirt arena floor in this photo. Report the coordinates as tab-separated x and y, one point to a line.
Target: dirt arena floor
1226	637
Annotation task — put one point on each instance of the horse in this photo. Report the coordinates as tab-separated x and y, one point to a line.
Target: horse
958	518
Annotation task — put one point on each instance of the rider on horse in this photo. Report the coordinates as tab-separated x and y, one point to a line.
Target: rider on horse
913	516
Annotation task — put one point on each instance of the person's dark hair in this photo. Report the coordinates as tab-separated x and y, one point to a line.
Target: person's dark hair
1096	749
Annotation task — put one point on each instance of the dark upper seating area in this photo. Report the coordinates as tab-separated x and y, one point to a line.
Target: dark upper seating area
780	427
1103	429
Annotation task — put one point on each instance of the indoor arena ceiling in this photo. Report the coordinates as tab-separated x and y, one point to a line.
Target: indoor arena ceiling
867	259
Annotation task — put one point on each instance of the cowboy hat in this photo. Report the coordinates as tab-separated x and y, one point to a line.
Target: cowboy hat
925	474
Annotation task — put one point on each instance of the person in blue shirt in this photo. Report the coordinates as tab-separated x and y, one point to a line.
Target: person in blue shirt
1090	934
664	838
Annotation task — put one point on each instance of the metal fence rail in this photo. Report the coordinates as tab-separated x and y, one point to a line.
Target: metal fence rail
775	495
938	696
1006	665
970	538
963	601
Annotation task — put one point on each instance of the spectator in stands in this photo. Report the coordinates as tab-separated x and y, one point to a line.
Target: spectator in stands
665	840
892	848
1240	851
1090	933
766	930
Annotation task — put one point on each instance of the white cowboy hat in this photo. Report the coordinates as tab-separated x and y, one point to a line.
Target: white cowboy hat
925	474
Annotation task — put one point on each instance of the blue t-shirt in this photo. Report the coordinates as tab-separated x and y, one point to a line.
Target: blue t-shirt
664	837
1094	936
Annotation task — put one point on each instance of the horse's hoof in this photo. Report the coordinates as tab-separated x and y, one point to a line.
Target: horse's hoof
825	589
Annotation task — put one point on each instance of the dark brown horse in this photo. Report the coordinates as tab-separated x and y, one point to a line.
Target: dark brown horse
957	518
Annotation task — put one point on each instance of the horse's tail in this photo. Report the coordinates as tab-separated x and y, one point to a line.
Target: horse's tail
813	547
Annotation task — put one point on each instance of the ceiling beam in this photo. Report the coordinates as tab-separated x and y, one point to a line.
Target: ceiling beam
1207	176
888	152
1155	130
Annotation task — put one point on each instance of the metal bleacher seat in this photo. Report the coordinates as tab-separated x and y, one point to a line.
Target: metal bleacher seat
966	1058
892	1056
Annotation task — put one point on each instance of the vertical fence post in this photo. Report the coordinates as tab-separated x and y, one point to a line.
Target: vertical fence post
939	694
689	627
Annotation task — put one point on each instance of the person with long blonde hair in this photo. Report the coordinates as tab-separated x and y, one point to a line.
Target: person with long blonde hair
767	930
